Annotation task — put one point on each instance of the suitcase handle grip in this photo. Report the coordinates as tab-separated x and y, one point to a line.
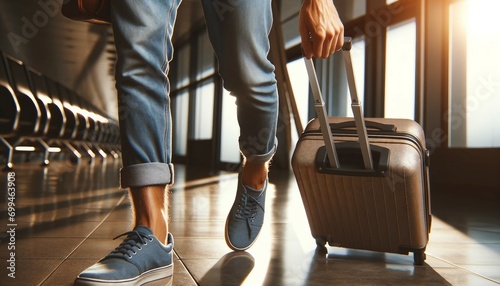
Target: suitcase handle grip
369	124
352	161
347	44
355	105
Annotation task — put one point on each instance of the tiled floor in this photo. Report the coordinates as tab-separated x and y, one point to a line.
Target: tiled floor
66	217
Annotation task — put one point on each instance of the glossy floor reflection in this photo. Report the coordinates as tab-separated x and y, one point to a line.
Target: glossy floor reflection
66	217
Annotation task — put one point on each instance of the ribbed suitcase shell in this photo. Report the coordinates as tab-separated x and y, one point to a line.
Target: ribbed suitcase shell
389	213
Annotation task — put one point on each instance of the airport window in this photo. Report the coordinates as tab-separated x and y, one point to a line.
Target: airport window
474	92
230	151
289	14
358	63
182	57
205	58
358	8
205	89
300	86
203	110
193	92
400	70
180	108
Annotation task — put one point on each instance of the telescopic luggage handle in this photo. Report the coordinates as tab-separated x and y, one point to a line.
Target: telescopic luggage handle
319	105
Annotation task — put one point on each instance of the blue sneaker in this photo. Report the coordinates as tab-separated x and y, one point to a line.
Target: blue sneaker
246	217
139	259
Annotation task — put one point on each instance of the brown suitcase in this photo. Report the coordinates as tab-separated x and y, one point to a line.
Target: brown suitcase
367	191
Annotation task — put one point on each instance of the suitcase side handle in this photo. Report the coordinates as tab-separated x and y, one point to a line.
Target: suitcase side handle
319	106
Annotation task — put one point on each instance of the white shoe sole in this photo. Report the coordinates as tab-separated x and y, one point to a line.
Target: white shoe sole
146	277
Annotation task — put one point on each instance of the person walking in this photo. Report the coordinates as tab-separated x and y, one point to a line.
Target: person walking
238	31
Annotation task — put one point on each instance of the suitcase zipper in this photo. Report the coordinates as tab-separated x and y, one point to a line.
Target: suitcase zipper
378	135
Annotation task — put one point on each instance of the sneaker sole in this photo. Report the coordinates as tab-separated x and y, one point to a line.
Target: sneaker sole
146	277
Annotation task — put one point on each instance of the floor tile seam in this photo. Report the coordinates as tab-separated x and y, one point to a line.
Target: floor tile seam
201	237
83	240
464	243
181	261
221	220
202	182
488	228
101	192
495	230
463	268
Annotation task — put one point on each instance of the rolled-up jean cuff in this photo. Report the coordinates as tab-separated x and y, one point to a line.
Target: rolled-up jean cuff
261	158
147	174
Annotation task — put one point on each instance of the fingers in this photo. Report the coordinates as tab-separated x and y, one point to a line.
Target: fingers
321	30
339	41
307	44
323	45
320	45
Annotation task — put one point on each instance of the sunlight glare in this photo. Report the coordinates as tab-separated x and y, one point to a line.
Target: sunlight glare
483	59
482	18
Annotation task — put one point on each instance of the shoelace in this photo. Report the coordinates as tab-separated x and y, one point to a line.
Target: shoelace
131	244
247	210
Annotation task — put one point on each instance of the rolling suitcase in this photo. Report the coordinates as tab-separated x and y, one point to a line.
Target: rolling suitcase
369	189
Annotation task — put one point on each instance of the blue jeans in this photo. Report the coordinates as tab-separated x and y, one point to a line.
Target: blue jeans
238	30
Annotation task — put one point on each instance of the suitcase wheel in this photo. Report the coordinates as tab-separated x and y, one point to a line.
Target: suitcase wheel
320	241
419	257
320	246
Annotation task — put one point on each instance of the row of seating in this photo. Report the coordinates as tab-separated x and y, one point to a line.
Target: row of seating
39	110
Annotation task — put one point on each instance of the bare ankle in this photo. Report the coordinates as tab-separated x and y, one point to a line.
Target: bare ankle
255	175
150	206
